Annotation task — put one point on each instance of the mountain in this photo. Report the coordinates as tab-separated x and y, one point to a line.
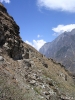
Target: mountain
62	50
25	74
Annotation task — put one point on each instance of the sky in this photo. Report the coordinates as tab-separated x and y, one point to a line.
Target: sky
41	21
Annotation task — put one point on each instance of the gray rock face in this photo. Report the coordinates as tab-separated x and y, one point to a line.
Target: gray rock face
62	50
9	35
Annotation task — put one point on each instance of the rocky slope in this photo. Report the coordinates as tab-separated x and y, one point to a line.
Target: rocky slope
10	40
62	50
25	74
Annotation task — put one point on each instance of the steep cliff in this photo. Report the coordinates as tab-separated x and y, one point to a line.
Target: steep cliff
10	40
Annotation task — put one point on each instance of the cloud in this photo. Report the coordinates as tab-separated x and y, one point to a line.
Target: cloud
6	1
38	36
62	5
62	28
37	44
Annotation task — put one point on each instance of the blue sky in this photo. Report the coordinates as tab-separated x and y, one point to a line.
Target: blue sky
41	21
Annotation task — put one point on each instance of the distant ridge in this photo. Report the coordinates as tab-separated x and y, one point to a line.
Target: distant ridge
62	50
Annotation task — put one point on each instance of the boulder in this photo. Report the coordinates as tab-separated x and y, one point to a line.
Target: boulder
1	58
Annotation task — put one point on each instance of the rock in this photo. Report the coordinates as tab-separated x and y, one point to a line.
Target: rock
27	55
45	65
65	97
1	58
39	71
9	35
46	93
27	63
0	51
34	76
49	81
2	39
6	46
32	82
62	75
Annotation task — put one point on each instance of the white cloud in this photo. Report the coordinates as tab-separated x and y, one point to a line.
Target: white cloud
37	44
62	28
62	5
38	36
6	1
